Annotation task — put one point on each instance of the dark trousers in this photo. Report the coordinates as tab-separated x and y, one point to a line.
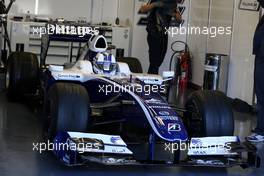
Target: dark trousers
157	50
259	87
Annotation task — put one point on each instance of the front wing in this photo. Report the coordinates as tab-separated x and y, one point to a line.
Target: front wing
89	148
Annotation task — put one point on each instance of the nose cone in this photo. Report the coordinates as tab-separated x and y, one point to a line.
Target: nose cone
165	122
170	129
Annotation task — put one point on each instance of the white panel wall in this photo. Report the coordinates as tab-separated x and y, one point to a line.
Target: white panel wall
109	10
126	11
22	6
221	15
204	13
198	17
102	10
239	48
105	11
242	61
66	8
139	41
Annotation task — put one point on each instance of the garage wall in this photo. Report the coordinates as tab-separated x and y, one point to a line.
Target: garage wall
242	61
126	12
65	8
225	13
102	11
22	6
109	10
198	17
206	13
221	15
139	39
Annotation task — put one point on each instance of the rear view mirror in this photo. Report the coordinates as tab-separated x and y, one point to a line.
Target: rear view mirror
168	74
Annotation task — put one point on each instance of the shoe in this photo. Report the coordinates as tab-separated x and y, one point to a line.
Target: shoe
255	138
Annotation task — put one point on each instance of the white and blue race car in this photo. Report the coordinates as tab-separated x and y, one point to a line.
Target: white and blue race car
98	111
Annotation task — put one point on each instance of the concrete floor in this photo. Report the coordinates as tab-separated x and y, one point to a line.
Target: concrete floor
20	127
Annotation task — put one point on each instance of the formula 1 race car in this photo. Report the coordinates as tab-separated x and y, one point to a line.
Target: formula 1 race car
101	112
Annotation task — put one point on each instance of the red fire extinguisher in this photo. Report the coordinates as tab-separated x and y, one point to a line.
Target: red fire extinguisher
183	65
185	68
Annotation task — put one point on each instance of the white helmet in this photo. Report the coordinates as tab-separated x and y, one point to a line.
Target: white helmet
98	44
105	63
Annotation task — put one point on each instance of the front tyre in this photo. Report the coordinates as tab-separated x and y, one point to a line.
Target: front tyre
68	109
209	113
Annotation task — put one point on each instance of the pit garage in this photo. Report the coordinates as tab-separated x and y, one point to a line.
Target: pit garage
131	87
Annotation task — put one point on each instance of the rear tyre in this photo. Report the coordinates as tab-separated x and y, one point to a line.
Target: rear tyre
22	76
133	63
209	113
68	109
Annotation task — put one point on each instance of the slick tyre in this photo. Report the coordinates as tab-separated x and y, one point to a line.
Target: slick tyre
133	63
209	113
22	76
68	109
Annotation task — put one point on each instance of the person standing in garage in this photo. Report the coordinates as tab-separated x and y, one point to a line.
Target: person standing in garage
159	18
258	51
